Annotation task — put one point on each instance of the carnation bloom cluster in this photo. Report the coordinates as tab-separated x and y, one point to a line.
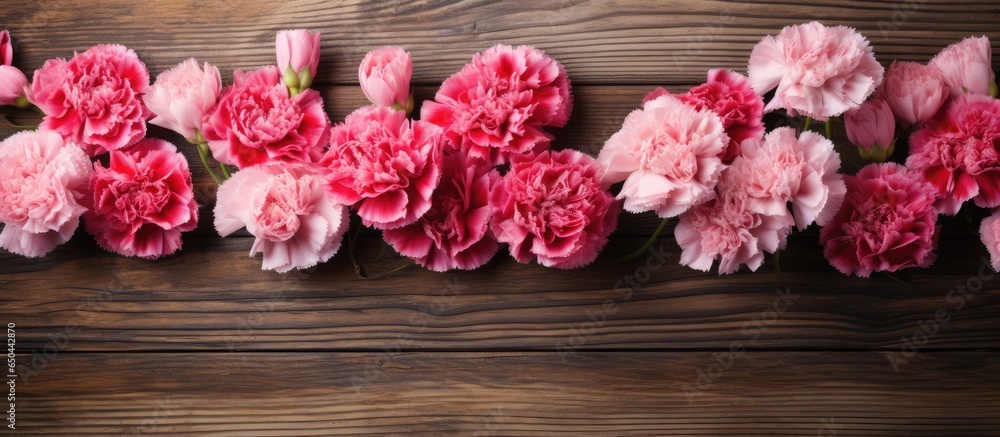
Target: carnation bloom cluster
453	181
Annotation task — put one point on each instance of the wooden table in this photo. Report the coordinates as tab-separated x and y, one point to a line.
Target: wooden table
205	343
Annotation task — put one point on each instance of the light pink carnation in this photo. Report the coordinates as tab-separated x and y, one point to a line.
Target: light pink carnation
959	153
783	170
498	104
454	233
255	121
553	208
95	98
726	229
6	48
43	181
13	84
668	154
887	222
385	74
819	71
915	92
966	66
384	163
182	95
285	206
142	201
989	233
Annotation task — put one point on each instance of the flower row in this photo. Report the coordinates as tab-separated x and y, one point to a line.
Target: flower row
475	171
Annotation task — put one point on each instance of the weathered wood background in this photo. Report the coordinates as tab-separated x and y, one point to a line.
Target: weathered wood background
205	343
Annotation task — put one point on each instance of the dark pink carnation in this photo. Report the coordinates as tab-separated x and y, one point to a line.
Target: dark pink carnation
385	164
498	104
454	233
95	98
741	109
552	207
142	201
887	222
255	122
958	153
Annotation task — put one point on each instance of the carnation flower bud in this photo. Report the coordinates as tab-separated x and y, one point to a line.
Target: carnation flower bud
13	86
872	128
384	75
298	51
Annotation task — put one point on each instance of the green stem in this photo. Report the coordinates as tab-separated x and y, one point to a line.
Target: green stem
809	121
894	278
777	265
23	126
644	247
829	135
203	153
225	170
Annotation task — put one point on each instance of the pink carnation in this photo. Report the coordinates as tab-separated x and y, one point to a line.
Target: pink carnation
730	95
43	181
6	48
386	164
887	222
95	98
958	153
819	71
989	233
255	121
726	229
915	92
966	66
182	95
785	170
553	207
285	206
498	104
385	74
668	154
454	233
142	201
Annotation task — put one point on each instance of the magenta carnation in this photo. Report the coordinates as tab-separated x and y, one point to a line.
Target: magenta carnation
95	98
498	104
958	153
384	163
255	121
726	229
142	201
454	233
553	207
785	170
741	109
286	207
43	182
887	222
669	155
819	71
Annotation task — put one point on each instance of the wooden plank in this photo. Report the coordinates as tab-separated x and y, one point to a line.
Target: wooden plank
619	41
212	297
487	394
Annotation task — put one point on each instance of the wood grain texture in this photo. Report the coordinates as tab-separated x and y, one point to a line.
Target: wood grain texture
213	297
492	394
647	41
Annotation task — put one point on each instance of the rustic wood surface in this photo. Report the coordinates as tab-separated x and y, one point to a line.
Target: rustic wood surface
205	343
